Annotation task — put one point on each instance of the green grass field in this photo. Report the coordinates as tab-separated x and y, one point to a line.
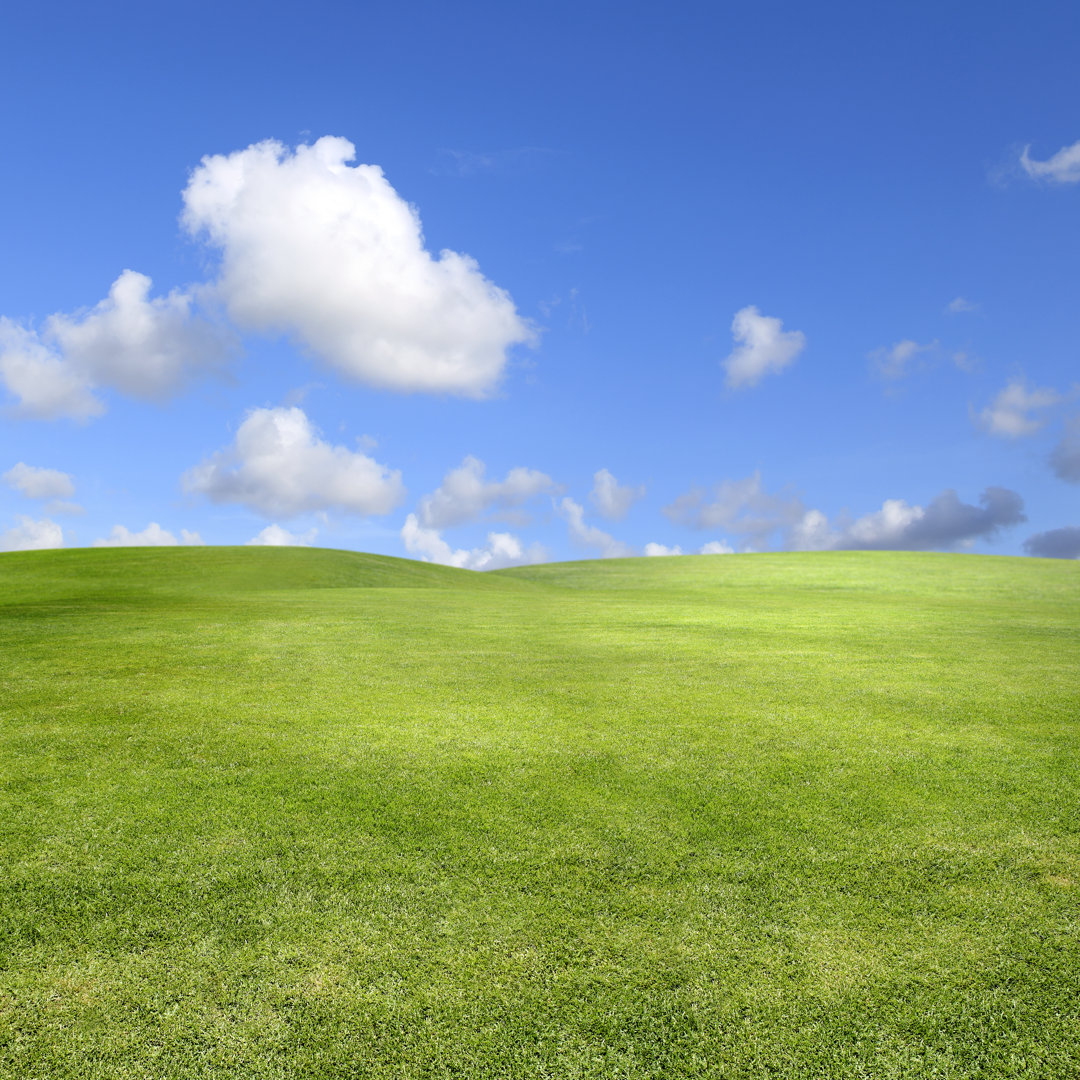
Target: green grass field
299	813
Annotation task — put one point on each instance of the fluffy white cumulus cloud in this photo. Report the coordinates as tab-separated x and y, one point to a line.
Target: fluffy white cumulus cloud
1062	168
276	536
330	254
502	549
1009	415
654	550
897	360
44	385
611	499
279	466
742	507
152	536
38	483
763	347
141	345
589	536
465	494
716	547
30	535
144	346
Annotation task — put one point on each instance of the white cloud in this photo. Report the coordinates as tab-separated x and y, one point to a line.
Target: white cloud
611	499
965	361
960	306
812	532
464	494
152	536
1008	415
895	362
1062	168
330	254
38	483
589	536
30	535
276	536
945	522
654	550
146	347
716	547
280	467
44	385
764	347
742	507
503	549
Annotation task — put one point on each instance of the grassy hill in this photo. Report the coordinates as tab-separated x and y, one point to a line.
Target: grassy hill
287	812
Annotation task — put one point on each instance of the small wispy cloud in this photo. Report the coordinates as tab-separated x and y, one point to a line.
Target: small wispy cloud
1010	414
1065	458
611	499
899	360
961	306
515	160
1062	168
589	536
38	483
763	347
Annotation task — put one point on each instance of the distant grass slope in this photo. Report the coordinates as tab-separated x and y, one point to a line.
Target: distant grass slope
280	813
194	571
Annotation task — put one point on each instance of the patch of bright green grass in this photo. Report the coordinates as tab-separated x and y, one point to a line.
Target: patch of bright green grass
282	813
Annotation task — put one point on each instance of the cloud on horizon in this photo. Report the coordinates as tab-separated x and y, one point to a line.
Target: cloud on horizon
31	535
502	549
1055	544
152	536
742	508
944	523
276	536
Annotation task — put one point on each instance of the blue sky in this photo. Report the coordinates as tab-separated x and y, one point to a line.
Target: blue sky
487	284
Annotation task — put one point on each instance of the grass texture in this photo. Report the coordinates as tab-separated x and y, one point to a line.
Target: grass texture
295	813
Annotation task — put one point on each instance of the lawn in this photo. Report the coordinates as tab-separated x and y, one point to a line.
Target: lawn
300	813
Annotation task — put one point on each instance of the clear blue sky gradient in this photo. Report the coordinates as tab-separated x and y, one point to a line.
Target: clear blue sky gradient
632	175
